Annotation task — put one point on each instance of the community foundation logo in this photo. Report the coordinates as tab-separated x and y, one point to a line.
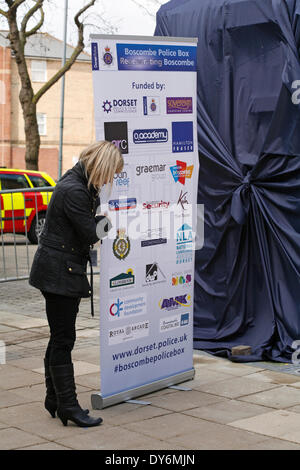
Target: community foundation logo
180	173
127	306
179	105
122	280
117	133
121	244
151	105
182	137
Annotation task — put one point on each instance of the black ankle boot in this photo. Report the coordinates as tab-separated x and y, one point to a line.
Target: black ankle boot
68	406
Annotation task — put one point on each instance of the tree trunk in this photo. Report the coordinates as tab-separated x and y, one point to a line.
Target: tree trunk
32	137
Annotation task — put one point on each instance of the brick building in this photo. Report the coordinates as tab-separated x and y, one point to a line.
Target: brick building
43	55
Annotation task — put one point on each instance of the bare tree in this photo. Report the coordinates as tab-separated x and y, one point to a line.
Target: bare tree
19	32
149	6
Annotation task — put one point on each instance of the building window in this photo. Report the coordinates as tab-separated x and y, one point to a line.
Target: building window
42	123
39	70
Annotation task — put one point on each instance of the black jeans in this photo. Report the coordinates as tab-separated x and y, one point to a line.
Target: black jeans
61	314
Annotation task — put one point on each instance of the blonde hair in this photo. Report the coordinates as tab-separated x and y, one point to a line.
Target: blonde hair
101	161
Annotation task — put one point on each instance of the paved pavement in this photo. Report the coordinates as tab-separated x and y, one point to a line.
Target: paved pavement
228	406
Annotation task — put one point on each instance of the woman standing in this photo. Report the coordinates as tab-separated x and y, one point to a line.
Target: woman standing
59	270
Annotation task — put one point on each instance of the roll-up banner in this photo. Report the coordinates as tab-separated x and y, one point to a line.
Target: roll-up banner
145	103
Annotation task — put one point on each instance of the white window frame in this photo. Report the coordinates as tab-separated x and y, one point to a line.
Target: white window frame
42	123
39	71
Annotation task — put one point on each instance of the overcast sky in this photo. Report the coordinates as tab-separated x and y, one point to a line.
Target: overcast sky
124	15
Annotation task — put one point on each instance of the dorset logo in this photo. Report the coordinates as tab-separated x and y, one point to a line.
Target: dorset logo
121	245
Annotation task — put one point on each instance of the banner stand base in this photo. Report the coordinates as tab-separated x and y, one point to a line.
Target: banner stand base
99	402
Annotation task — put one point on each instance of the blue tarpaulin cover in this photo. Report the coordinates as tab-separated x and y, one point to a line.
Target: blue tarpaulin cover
247	289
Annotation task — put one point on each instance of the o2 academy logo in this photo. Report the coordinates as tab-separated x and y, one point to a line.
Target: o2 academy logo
121	245
120	106
117	133
175	302
150	136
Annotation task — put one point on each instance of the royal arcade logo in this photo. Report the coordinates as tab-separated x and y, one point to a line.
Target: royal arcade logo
179	105
182	137
117	133
128	332
173	303
122	204
128	306
121	244
150	136
151	105
181	172
184	244
122	280
154	275
120	105
174	322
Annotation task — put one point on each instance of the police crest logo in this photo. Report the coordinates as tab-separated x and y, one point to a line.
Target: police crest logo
107	57
121	245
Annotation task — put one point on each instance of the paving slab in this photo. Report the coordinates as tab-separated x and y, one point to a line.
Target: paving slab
278	423
184	400
12	438
280	397
212	436
236	387
80	368
46	446
21	321
225	411
166	427
10	398
276	378
223	365
13	377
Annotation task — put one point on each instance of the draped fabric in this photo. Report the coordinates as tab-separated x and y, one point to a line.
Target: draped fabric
247	289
